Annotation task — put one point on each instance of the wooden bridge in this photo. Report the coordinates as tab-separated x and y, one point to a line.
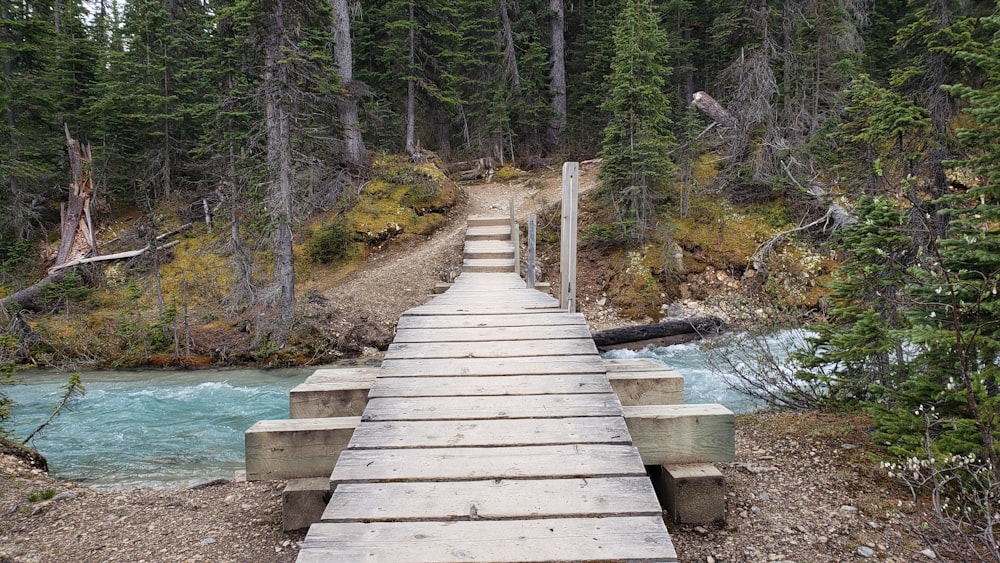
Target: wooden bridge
491	432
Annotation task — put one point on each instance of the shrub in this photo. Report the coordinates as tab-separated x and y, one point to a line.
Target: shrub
331	243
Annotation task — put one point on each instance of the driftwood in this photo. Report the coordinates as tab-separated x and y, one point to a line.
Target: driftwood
695	326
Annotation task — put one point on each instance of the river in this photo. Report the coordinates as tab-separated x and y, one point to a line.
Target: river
171	429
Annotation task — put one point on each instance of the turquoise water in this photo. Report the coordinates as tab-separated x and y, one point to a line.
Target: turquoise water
152	428
173	429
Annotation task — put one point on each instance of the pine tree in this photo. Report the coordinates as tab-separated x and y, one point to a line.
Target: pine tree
956	317
637	139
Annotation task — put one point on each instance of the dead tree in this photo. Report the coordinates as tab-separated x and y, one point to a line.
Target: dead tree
77	238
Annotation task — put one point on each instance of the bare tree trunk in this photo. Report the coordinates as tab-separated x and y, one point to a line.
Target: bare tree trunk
411	93
77	228
354	152
510	53
557	74
279	158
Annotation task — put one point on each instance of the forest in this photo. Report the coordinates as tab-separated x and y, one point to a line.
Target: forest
869	130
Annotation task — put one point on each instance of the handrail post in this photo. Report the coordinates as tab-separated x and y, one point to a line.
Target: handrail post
567	236
515	237
530	267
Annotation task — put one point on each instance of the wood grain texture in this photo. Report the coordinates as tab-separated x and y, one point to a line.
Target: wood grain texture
637	539
493	499
482	321
448	367
490	385
506	406
471	464
486	433
493	349
491	334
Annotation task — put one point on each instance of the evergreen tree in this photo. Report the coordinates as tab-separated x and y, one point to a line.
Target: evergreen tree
858	354
637	139
956	320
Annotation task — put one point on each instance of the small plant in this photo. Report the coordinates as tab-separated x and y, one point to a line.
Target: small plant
601	236
331	243
47	494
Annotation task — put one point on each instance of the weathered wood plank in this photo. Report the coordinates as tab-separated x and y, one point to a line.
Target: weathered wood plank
679	434
293	449
491	309
522	348
477	408
326	375
503	499
489	385
636	539
440	367
663	387
486	433
633	364
487	334
471	464
480	321
316	400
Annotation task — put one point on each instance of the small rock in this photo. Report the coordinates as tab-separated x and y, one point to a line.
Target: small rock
929	553
65	495
602	301
866	552
207	541
764	496
701	530
848	509
709	559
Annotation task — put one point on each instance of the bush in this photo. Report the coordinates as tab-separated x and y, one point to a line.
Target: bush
331	243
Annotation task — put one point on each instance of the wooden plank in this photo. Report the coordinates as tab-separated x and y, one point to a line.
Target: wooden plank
679	434
347	376
662	387
490	385
637	539
523	348
479	321
503	499
472	464
399	367
507	406
483	433
292	449
492	309
634	364
486	334
335	398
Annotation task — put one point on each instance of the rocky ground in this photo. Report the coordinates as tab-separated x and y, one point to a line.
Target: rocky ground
803	486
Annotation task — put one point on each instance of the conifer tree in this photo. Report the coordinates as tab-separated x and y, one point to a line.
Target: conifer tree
956	320
637	139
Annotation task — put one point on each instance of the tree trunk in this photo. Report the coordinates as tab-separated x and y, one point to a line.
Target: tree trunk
510	53
411	92
279	158
77	227
713	109
354	151
557	74
698	326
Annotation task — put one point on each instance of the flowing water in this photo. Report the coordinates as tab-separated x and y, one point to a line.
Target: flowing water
171	429
151	428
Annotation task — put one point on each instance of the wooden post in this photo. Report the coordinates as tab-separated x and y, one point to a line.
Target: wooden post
532	230
515	237
567	236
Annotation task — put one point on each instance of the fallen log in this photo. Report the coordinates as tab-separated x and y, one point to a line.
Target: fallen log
695	326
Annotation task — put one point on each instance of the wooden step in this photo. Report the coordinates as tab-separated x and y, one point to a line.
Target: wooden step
488	220
489	249
487	264
500	232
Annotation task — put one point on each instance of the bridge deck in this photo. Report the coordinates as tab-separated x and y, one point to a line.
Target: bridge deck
491	434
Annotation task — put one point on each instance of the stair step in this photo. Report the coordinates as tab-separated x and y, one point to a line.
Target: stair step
488	265
499	232
488	221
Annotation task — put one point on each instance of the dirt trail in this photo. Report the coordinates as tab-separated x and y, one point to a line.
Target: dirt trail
364	307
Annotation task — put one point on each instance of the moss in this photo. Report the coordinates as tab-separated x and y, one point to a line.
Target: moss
507	173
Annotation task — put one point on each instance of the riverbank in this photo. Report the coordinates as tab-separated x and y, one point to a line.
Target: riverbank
803	488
